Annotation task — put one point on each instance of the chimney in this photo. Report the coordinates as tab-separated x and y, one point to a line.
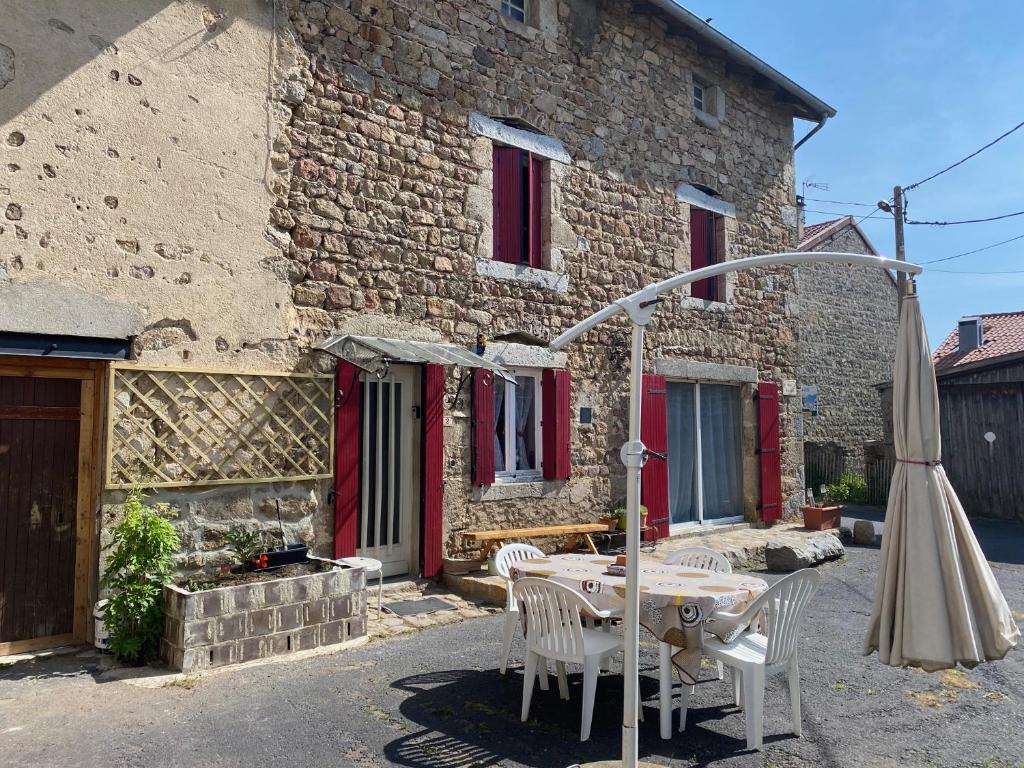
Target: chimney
971	334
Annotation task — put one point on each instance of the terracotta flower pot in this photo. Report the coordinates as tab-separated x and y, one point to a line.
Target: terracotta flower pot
822	518
611	521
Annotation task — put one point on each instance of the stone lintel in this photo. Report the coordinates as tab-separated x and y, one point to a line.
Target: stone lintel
537	143
510	355
44	307
542	278
689	194
701	371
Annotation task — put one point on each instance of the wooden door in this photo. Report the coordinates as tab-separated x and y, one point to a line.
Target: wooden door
39	461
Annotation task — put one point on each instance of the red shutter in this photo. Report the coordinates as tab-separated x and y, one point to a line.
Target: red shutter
433	469
348	397
654	435
768	451
508	204
556	425
703	252
536	211
483	427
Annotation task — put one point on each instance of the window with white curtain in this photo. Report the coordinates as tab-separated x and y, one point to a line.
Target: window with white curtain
705	461
517	437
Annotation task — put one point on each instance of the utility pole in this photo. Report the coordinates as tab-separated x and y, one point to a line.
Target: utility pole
901	253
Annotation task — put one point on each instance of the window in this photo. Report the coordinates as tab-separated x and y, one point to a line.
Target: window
518	206
704	452
517	425
699	96
514	9
704	251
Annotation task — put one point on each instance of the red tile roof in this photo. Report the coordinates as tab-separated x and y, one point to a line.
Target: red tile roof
813	230
1003	335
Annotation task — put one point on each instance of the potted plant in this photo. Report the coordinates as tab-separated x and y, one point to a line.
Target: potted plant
620	515
828	513
611	521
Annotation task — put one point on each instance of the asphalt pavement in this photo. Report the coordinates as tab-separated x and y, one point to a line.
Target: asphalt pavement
435	700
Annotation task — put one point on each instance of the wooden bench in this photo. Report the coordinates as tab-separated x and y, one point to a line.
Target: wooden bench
488	540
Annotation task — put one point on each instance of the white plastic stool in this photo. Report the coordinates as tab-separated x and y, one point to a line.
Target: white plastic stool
369	565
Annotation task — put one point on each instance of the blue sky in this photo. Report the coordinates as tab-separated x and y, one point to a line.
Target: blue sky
918	85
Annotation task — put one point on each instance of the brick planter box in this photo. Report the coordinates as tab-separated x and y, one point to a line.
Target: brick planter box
231	625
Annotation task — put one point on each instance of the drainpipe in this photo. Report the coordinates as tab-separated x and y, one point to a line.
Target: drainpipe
814	130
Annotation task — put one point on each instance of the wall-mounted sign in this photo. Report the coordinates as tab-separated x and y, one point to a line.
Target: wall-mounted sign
809	399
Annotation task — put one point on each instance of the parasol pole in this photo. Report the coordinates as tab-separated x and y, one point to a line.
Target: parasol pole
633	456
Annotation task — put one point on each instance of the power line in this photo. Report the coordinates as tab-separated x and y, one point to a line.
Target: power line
840	202
964	160
976	250
827	213
972	272
868	215
966	221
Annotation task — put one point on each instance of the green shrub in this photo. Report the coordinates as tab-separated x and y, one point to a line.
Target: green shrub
851	489
139	565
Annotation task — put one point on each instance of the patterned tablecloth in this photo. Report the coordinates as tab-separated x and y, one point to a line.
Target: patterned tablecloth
677	604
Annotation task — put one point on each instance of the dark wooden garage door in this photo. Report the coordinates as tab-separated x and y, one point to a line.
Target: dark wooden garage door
39	425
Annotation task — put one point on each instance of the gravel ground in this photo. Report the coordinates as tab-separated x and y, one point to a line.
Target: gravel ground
434	700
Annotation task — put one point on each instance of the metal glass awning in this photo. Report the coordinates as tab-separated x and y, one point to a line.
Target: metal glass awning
375	354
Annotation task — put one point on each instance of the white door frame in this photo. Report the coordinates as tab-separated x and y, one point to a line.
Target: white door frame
401	466
677	528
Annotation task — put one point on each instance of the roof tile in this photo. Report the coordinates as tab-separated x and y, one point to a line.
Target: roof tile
1003	335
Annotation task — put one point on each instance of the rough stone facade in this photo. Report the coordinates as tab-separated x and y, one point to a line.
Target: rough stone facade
848	323
349	195
389	203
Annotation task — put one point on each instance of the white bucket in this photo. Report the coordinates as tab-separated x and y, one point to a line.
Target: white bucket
100	634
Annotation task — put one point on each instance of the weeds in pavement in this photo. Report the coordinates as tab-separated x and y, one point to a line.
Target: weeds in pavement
188	683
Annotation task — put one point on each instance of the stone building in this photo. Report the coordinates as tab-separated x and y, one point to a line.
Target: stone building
847	342
203	198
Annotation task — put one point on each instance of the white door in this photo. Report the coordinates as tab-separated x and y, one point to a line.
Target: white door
390	476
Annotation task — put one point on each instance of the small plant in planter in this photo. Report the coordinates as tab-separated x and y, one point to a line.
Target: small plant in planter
249	547
255	553
144	544
828	513
621	516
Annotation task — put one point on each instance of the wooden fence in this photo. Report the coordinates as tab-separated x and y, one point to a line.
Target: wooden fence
879	463
193	427
824	464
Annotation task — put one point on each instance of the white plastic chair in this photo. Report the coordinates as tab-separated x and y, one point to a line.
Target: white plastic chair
554	630
505	558
699	557
754	655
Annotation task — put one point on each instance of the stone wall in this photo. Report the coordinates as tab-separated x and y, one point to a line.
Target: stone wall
388	213
245	178
135	148
848	323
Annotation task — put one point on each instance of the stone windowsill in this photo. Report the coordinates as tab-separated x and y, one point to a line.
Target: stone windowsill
520	273
688	302
505	489
707	119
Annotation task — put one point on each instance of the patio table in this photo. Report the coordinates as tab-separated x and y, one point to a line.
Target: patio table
677	605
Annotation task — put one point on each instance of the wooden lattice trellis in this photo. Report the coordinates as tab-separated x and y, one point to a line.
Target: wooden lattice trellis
188	427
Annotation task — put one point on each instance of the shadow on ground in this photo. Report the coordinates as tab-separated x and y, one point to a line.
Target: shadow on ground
469	719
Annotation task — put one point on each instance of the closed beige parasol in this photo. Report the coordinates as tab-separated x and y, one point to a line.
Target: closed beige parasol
937	603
